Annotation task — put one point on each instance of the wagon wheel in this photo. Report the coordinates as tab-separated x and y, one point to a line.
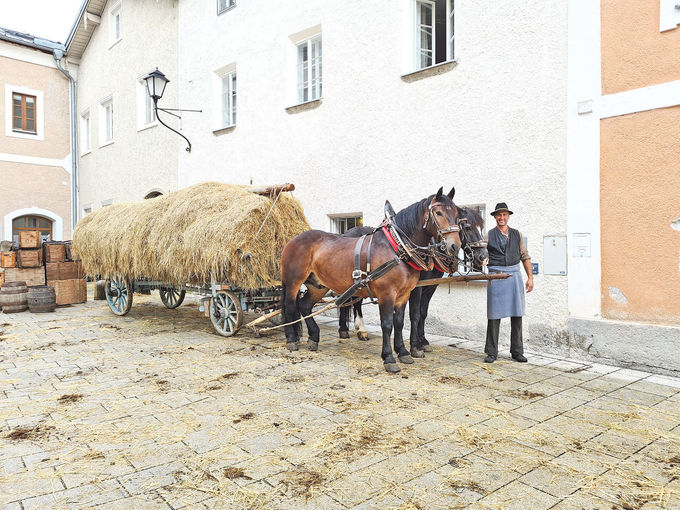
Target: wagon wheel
119	292
225	313
172	296
276	320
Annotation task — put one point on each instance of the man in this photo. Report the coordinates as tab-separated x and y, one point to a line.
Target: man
505	298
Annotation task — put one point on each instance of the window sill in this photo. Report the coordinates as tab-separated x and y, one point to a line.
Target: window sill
147	126
227	9
106	143
303	107
224	130
27	135
434	70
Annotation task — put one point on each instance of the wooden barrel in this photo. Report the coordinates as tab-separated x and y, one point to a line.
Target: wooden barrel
14	297
99	290
41	299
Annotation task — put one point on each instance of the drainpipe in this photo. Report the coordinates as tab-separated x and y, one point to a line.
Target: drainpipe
58	55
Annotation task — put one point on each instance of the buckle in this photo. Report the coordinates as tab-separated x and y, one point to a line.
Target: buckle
357	274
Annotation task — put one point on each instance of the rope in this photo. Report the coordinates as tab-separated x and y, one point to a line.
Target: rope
268	213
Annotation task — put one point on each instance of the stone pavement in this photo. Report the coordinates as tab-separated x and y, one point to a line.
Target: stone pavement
153	410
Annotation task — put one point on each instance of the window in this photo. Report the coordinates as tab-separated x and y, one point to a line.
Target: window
32	223
23	113
115	33
434	32
309	69
146	116
228	102
87	210
85	132
106	203
106	122
223	5
342	223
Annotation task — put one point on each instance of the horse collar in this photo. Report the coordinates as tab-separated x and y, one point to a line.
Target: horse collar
401	253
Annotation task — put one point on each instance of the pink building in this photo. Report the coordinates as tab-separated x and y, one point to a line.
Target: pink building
35	141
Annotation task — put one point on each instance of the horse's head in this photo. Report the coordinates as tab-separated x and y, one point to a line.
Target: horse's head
441	222
473	244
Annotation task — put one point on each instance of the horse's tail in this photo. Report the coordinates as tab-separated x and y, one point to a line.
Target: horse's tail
290	315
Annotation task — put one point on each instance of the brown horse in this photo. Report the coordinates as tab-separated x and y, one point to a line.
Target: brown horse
324	261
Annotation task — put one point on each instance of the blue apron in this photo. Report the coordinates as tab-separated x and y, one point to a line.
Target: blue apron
505	298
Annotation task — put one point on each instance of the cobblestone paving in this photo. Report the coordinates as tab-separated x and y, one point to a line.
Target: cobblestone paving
153	410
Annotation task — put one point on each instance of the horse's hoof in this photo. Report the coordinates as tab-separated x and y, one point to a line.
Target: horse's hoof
427	348
406	359
362	336
343	334
417	353
292	346
392	368
312	345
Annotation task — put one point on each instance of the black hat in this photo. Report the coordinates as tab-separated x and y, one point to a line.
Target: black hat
501	207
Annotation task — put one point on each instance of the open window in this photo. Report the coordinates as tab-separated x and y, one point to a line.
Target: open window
341	223
433	32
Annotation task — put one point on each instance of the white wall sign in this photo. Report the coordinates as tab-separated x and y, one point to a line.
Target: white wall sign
581	245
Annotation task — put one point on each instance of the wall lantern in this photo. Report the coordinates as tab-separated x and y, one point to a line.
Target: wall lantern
155	86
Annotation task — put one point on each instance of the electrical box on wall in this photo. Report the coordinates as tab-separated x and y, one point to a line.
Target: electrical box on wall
555	255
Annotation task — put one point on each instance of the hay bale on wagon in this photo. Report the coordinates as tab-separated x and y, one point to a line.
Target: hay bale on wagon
187	235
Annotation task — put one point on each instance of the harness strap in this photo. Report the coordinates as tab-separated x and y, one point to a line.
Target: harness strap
380	271
395	247
357	274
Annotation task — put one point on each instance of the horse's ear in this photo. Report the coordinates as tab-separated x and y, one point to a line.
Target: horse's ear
389	210
452	192
439	193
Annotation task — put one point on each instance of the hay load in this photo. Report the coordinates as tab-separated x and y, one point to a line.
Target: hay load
187	235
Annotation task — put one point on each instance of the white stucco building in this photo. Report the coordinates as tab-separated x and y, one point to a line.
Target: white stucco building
358	102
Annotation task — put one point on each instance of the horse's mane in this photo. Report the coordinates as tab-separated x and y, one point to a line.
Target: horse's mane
472	216
410	219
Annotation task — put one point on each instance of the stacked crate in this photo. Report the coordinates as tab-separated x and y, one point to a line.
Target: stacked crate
66	276
26	264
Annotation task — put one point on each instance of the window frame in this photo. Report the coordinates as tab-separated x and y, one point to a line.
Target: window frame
10	91
145	107
229	4
413	48
106	124
38	217
24	113
309	42
85	133
115	23
337	220
231	99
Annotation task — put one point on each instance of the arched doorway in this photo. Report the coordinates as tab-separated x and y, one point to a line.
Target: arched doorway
153	194
32	222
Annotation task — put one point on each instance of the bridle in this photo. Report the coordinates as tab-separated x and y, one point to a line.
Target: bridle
446	263
430	216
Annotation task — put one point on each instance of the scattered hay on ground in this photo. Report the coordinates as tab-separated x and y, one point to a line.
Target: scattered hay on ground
526	394
244	417
68	399
233	473
29	433
302	482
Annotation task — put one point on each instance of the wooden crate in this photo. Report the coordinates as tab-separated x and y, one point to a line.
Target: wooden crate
29	239
31	275
69	250
70	291
8	259
2	278
54	252
29	258
64	270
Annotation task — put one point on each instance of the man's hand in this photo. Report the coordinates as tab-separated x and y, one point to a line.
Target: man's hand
530	284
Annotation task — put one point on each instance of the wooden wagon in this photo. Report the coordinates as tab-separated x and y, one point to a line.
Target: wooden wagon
221	242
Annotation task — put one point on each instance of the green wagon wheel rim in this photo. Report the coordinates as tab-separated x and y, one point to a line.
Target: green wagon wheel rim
118	291
225	313
172	296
